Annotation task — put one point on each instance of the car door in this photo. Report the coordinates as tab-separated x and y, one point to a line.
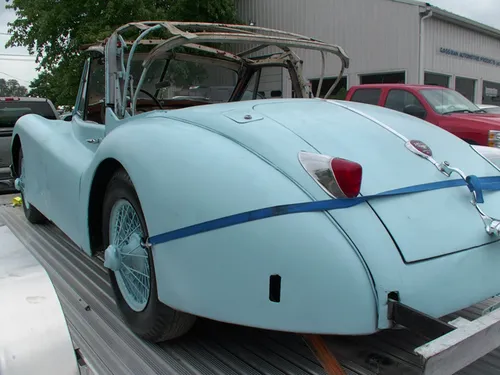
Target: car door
76	147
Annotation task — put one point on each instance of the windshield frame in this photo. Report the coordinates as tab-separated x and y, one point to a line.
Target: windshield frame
458	102
202	37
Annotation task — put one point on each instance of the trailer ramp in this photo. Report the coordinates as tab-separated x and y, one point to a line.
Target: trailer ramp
106	346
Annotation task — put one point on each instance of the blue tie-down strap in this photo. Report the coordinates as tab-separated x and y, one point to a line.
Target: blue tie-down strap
474	183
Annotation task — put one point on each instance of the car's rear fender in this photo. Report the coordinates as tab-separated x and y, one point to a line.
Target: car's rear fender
224	274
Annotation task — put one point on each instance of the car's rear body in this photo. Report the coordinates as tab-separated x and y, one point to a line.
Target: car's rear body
426	246
11	109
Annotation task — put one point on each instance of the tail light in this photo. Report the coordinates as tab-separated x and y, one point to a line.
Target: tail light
494	138
340	178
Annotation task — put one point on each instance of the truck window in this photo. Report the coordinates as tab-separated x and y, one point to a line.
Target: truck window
10	111
399	99
368	96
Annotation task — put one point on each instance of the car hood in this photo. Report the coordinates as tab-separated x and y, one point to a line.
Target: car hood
488	119
424	225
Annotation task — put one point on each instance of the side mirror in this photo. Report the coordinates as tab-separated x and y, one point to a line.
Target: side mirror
415	110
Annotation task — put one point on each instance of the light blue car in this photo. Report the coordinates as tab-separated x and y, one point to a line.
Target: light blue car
264	213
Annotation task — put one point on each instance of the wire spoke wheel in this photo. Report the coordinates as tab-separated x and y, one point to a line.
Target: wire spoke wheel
131	268
133	275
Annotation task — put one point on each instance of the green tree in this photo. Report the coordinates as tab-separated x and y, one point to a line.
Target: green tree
54	30
12	87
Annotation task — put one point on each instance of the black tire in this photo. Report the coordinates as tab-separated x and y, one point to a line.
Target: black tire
156	322
32	214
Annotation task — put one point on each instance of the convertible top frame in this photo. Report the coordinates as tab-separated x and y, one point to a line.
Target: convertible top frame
193	36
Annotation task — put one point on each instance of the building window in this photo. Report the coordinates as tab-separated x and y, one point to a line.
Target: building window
491	93
466	87
435	79
339	92
367	96
268	84
393	77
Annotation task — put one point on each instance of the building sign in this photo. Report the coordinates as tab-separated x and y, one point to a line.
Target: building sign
490	91
469	56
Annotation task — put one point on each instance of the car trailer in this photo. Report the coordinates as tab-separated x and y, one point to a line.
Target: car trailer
102	344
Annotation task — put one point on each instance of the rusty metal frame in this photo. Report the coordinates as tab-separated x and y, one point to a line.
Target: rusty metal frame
194	36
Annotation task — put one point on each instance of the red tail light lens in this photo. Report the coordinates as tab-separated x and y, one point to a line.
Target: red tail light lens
340	178
348	175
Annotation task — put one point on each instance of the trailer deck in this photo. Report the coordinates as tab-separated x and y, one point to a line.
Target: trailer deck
106	346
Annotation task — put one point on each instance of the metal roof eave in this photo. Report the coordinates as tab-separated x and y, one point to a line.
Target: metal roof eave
453	18
467	23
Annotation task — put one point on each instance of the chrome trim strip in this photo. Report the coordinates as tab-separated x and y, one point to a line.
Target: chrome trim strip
379	123
408	145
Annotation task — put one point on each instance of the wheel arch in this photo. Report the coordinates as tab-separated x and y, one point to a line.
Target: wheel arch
103	174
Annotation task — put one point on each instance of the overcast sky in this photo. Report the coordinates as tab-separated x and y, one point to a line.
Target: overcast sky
23	68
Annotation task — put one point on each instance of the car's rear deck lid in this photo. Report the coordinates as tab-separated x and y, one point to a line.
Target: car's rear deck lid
423	225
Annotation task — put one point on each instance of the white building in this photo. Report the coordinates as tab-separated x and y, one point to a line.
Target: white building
390	41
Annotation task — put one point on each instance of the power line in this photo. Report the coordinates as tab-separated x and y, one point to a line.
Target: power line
19	79
16	55
14	59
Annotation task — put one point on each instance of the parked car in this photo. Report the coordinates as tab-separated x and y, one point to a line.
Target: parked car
11	109
278	213
440	106
66	116
488	108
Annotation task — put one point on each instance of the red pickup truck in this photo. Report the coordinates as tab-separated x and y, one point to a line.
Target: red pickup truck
440	106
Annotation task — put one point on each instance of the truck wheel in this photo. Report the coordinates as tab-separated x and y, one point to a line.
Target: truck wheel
32	214
131	267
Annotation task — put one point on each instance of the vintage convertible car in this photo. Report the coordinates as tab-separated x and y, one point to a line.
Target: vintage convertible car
305	214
